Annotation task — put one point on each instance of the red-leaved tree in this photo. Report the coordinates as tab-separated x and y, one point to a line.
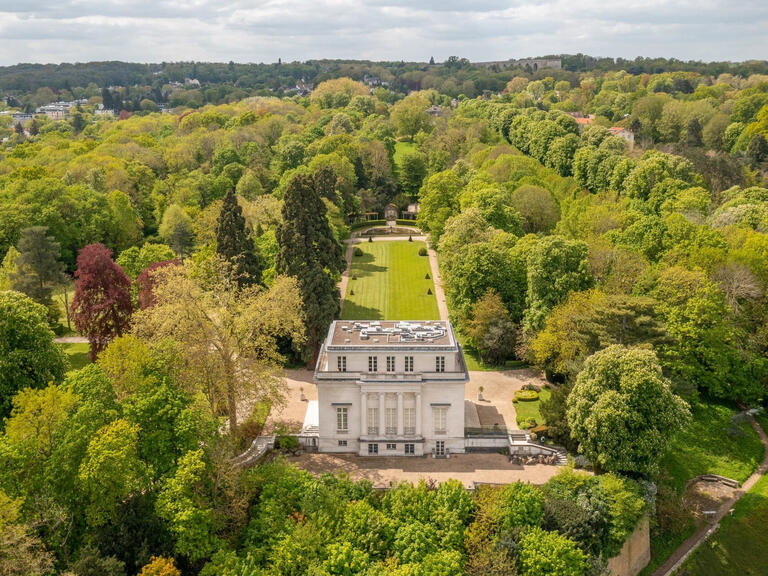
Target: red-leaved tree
102	304
146	282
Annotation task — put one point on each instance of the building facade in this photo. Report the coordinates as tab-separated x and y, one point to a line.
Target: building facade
391	389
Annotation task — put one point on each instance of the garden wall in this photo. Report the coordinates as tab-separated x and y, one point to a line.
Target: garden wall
635	554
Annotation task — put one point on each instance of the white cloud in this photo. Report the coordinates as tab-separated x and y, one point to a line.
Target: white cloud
262	31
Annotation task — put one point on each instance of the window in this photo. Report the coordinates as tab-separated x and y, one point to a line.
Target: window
373	420
409	421
373	364
391	446
342	420
342	443
439	363
390	420
440	448
373	449
439	415
390	414
341	361
390	363
410	449
409	363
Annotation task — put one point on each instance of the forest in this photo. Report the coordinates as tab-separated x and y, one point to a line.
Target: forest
607	226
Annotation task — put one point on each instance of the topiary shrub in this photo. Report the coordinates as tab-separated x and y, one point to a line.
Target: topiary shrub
427	276
370	238
429	291
357	251
410	238
351	292
526	395
422	251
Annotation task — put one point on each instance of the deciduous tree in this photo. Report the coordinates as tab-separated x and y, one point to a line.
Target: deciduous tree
102	304
622	410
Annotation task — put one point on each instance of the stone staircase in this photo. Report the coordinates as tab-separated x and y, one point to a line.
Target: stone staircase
258	448
520	444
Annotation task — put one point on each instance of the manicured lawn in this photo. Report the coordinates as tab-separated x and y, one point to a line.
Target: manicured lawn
388	282
530	410
740	546
713	444
78	355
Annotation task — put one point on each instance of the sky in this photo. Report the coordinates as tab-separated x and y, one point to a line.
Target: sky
482	30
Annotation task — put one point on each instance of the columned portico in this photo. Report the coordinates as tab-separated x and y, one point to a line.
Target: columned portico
388	380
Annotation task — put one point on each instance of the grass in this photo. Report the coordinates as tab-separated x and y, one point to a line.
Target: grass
476	364
712	444
400	149
388	283
529	410
78	355
739	546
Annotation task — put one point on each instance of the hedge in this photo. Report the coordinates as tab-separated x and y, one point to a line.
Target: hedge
526	395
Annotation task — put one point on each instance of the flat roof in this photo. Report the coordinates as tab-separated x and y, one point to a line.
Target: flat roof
376	333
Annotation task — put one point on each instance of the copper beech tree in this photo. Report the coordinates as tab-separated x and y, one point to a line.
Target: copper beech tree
227	335
102	307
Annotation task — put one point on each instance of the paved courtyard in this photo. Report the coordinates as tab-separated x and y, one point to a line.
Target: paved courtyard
382	471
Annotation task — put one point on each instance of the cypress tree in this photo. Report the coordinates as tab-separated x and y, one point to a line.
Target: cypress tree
308	250
235	245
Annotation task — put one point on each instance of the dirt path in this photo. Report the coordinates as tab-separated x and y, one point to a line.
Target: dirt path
71	340
707	529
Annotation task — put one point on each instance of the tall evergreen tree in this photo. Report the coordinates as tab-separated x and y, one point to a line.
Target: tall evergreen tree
308	250
38	269
235	245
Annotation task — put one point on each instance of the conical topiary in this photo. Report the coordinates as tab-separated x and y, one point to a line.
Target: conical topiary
351	292
427	276
429	291
370	238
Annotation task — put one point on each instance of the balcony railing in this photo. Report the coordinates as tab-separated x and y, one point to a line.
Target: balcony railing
373	430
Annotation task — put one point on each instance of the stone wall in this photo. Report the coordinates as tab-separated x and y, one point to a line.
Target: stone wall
635	554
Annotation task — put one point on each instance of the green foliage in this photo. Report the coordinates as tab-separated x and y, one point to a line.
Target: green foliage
555	267
549	553
28	356
622	410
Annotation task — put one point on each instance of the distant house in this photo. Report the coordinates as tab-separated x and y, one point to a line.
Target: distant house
582	120
192	82
411	212
434	110
623	133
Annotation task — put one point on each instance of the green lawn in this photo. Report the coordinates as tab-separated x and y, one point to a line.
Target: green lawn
400	149
713	444
527	410
78	355
740	546
388	282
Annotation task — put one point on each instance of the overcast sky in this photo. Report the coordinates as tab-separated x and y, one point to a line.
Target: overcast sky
263	31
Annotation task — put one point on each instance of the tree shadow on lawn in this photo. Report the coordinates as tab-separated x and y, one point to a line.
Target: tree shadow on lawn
353	311
712	443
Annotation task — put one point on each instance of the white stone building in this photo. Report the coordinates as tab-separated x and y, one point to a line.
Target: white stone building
390	388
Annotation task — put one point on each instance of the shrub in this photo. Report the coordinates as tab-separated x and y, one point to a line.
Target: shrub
429	291
526	395
422	251
427	276
370	238
357	251
288	443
